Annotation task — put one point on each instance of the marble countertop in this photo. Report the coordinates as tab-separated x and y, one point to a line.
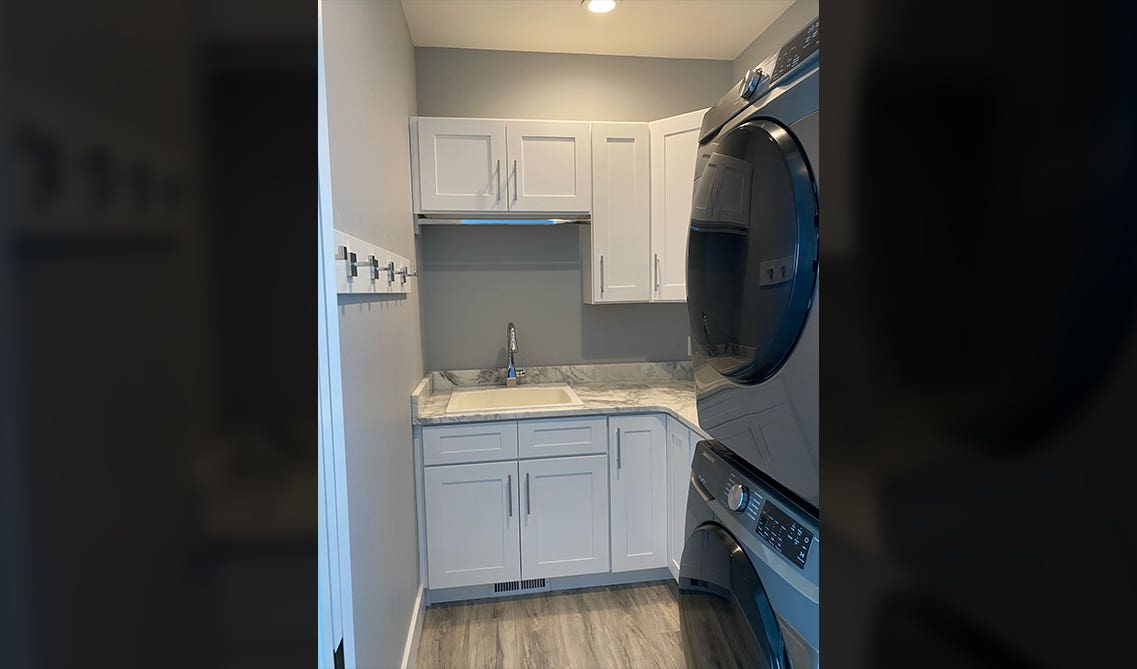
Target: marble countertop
661	395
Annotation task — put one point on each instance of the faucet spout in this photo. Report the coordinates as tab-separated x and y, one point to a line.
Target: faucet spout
511	372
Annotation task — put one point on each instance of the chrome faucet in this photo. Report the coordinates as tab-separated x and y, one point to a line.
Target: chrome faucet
512	374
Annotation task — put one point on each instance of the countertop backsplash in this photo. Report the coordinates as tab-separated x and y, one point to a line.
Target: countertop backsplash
625	372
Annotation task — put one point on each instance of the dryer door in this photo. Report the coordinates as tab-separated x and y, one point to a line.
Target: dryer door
725	616
752	252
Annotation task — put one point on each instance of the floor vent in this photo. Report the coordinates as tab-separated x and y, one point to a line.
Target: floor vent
527	584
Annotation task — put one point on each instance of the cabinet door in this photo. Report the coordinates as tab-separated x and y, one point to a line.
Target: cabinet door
565	516
638	467
461	164
621	214
674	146
473	522
549	166
680	449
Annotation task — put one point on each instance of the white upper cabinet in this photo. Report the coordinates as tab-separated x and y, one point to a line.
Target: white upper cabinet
549	166
461	164
674	147
618	243
638	465
486	165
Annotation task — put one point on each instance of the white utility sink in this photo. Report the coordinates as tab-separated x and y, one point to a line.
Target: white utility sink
519	397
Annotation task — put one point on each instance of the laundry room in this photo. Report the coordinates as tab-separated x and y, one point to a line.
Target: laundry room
570	253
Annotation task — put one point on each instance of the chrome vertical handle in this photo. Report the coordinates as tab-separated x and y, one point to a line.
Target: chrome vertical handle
618	449
509	491
657	272
515	180
601	275
498	170
528	504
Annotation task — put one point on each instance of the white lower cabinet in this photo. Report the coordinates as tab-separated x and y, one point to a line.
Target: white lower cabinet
680	449
550	517
564	521
638	481
473	524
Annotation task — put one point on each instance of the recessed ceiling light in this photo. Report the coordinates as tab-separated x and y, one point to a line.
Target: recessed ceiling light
599	6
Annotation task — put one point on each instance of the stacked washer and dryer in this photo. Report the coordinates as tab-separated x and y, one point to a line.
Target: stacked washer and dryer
749	588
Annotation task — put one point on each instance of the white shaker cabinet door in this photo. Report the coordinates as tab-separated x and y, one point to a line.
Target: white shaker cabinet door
550	165
461	164
638	480
680	449
473	523
674	147
620	247
564	516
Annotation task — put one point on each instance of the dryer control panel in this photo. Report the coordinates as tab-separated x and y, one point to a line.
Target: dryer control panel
804	47
799	49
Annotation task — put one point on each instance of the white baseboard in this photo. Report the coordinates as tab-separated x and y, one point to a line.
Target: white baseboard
414	633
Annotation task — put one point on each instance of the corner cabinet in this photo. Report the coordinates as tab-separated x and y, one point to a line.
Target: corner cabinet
681	443
617	245
642	180
638	483
464	165
674	147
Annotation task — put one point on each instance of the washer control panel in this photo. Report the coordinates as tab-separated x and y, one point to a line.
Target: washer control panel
790	537
739	489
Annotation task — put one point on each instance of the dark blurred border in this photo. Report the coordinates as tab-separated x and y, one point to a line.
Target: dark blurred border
159	353
979	354
157	478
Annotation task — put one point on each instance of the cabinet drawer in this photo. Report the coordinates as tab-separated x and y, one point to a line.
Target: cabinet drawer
474	442
543	438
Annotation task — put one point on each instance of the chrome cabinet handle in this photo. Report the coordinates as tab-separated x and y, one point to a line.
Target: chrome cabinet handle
498	170
601	275
619	450
515	180
657	272
509	491
528	504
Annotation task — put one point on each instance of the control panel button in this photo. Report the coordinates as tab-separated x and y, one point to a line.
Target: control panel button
737	498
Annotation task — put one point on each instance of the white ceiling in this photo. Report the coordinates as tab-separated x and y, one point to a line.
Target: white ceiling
711	29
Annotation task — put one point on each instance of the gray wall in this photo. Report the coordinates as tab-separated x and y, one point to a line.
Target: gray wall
784	27
521	84
369	63
475	280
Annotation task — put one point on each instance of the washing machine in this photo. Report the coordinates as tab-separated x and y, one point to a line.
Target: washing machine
752	268
749	590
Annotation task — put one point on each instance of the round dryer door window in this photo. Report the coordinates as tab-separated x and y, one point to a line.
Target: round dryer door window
752	251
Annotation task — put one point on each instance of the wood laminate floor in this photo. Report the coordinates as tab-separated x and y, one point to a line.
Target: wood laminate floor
615	626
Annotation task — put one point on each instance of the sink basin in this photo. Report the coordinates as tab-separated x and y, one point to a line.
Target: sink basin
519	397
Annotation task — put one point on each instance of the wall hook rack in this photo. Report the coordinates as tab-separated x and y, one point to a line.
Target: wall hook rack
380	263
